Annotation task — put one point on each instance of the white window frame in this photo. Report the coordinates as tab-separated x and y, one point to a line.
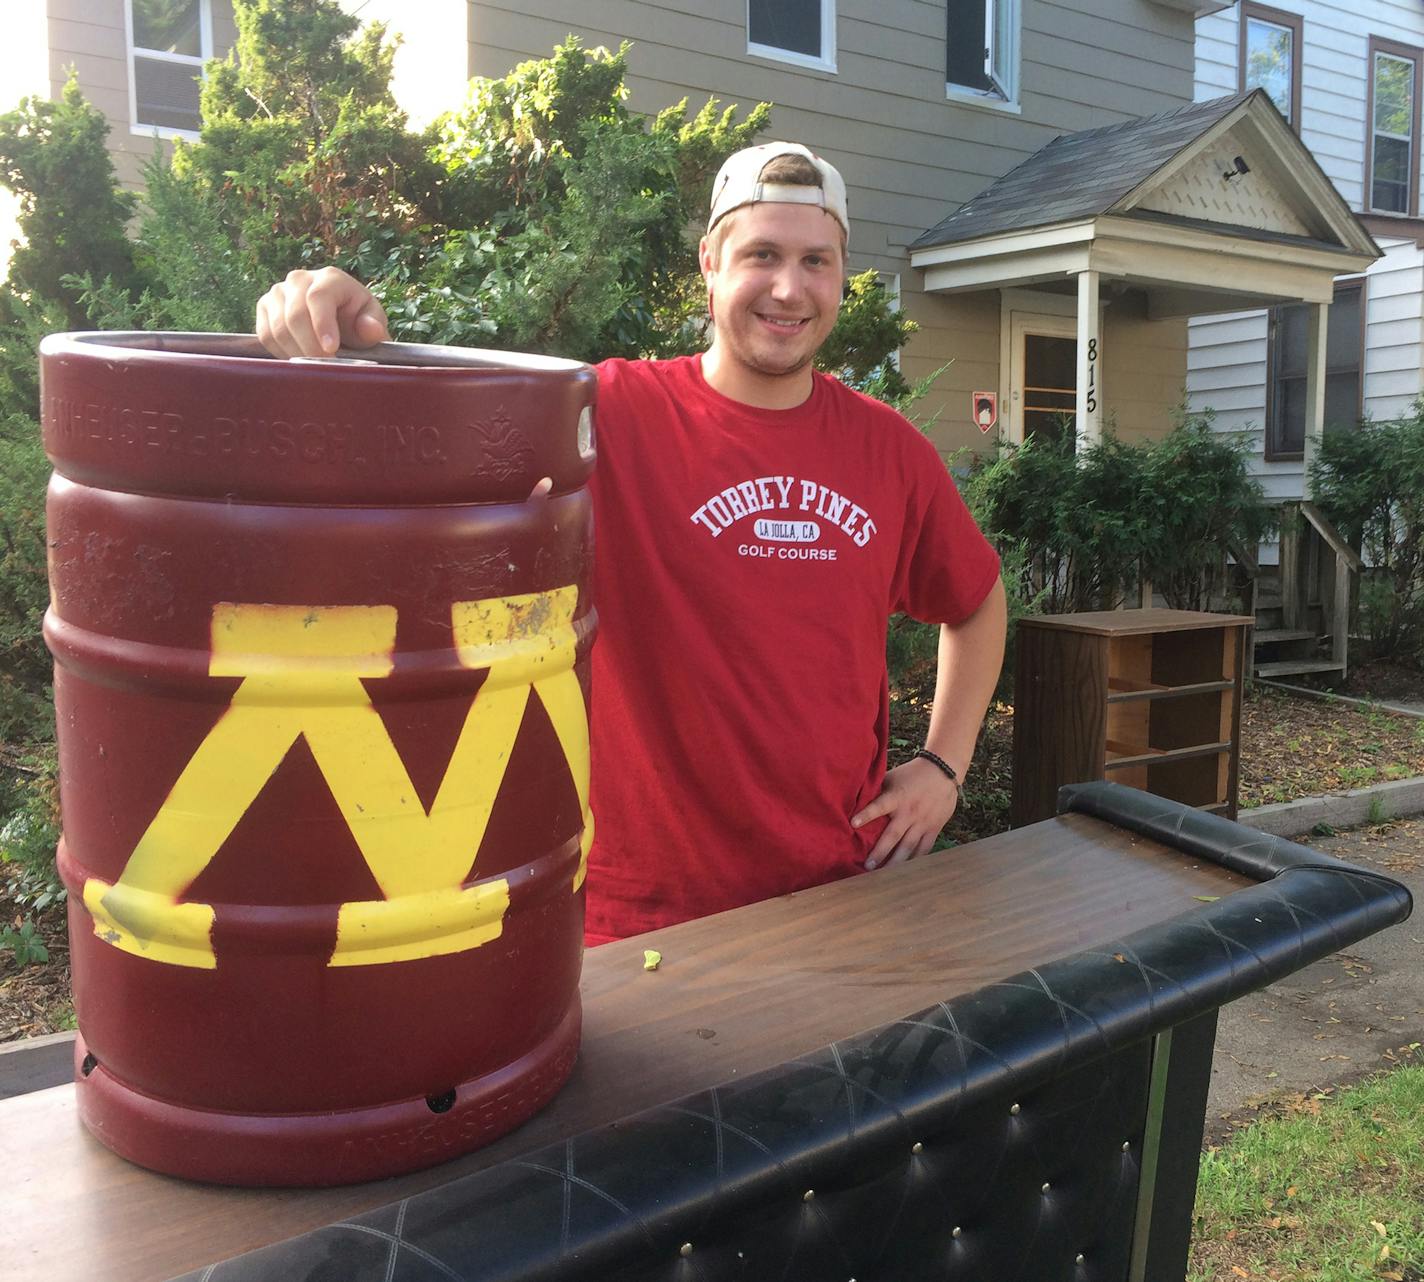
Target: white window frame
1001	60
1382	49
890	283
205	44
827	60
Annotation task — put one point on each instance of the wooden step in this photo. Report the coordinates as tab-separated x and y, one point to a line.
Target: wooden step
1272	636
1297	667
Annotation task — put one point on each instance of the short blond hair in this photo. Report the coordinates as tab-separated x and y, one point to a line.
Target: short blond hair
788	170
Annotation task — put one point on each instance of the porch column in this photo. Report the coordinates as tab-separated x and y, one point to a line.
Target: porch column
1316	317
1088	417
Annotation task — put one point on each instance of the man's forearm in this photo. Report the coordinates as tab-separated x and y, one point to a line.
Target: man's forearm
970	657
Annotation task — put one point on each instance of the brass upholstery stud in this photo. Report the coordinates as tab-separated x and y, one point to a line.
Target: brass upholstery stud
1014	1110
917	1147
685	1249
809	1195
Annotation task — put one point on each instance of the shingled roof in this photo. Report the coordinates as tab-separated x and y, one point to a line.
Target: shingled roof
1080	175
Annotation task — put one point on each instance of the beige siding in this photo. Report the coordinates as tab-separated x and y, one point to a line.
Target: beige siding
909	155
962	332
1144	369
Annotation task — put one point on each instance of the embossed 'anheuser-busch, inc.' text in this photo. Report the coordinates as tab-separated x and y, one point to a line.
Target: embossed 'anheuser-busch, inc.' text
277	439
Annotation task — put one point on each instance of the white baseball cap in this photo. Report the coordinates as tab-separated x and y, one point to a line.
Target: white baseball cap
739	183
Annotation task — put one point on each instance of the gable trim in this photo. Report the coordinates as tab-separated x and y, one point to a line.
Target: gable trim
1284	159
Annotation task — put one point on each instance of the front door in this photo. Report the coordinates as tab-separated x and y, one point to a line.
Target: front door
1043	376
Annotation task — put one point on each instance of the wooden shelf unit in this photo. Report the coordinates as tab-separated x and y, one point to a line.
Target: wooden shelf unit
1147	698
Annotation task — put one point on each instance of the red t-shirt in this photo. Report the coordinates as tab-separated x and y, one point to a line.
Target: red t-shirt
747	562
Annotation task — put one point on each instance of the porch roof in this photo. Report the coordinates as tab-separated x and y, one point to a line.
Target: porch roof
1213	206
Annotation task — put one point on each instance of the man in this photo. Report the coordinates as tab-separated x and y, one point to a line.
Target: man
757	524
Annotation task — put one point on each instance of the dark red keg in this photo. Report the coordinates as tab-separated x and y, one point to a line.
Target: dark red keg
321	684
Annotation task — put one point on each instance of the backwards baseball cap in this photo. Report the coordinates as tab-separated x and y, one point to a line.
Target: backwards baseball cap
739	183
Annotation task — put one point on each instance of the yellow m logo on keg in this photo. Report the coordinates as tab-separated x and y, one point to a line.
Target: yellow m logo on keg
301	670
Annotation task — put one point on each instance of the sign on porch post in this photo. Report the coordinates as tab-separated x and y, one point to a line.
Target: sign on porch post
1316	318
1089	409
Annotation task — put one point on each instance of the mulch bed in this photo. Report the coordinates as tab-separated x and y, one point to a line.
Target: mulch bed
1290	747
34	999
1297	747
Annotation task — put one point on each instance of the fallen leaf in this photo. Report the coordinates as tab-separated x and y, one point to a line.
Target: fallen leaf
1211	899
1239	1271
1118	957
652	959
1379	1228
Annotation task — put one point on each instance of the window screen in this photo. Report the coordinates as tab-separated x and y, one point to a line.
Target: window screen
167	62
1285	433
1392	133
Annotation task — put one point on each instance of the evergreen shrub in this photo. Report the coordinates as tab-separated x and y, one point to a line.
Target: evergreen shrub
1093	525
1369	481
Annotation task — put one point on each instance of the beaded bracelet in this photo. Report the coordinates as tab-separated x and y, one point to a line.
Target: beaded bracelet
948	770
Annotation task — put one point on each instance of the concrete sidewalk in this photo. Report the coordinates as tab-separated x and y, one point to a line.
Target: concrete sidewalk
1352	1014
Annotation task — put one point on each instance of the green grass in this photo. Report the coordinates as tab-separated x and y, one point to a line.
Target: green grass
1332	1191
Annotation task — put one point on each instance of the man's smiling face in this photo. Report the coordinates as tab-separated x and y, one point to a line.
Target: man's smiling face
774	280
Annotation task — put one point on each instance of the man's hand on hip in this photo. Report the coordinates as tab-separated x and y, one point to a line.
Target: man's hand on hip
314	313
919	801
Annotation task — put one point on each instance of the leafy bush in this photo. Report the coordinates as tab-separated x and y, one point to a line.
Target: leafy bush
1197	499
24	591
24	943
29	802
1076	517
867	333
1370	482
1094	524
72	211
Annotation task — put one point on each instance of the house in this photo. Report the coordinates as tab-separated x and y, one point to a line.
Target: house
1347	80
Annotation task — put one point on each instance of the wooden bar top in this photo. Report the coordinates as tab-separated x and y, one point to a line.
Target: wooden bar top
1125	623
736	993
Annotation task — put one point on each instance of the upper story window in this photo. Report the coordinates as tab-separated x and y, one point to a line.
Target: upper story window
981	48
169	40
1271	43
1392	161
797	31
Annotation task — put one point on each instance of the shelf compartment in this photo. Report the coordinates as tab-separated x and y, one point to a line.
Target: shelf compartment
1129	690
1120	755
